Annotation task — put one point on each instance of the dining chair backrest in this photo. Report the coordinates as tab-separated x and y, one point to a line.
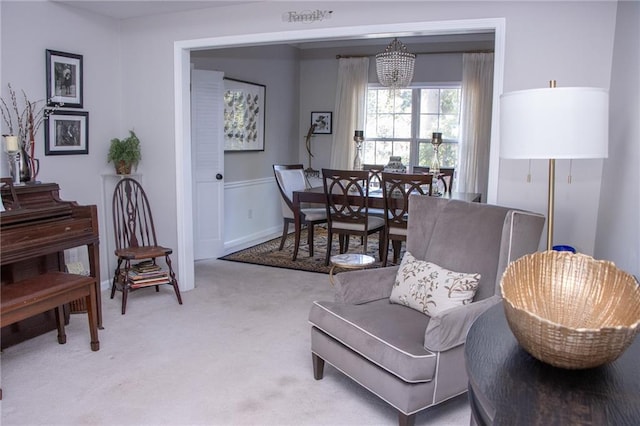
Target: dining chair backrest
132	219
375	174
347	193
290	177
420	169
396	188
446	176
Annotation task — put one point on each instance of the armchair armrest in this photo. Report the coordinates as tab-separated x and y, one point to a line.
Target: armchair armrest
364	285
449	328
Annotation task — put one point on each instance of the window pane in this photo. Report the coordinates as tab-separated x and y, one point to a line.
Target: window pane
403	101
402	149
448	154
449	126
428	125
384	127
402	126
429	101
449	101
385	102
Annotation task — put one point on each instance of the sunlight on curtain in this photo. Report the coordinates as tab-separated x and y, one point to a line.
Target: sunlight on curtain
475	137
350	109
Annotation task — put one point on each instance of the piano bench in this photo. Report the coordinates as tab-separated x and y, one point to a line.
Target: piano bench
23	299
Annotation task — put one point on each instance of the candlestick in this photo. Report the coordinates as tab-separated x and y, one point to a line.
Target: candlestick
358	138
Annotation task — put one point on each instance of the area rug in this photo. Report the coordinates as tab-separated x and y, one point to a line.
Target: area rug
268	254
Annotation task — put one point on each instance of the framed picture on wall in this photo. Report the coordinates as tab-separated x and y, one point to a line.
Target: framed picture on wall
67	133
64	79
244	115
323	122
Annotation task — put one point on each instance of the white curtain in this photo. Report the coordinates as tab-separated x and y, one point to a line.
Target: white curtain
475	134
350	109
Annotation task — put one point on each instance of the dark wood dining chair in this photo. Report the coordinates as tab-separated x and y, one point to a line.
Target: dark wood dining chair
290	177
420	169
375	183
136	241
375	174
347	194
446	177
396	189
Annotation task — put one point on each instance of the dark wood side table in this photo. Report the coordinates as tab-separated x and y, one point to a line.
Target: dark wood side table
507	386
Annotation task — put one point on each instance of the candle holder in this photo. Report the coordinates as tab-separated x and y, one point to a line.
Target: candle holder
12	147
436	141
358	138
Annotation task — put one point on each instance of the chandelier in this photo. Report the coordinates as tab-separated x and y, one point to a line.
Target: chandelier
395	65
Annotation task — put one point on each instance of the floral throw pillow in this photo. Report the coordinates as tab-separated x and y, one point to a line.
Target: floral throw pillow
429	288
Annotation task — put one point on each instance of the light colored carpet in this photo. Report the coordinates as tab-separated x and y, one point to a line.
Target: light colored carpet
236	353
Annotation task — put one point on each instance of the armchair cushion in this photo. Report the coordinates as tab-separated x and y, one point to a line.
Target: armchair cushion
389	335
449	328
431	289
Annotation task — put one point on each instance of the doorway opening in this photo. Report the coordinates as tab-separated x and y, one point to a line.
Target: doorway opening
182	109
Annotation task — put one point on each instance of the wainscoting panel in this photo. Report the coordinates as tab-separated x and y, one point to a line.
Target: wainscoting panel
252	213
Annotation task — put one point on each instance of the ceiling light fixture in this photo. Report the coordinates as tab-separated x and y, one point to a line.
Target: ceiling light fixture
395	65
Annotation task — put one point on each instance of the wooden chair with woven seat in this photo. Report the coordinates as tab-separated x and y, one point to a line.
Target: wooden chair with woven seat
290	177
136	241
396	188
347	193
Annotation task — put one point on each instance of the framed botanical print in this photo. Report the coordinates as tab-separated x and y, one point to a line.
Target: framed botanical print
322	120
64	79
244	115
67	133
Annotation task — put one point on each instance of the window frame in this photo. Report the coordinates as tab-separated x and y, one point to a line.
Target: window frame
414	140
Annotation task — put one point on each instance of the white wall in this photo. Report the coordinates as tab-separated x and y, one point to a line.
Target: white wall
571	42
28	29
618	236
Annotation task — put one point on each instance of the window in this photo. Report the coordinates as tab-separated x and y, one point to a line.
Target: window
401	122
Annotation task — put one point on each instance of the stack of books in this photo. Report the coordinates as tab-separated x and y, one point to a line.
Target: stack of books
147	273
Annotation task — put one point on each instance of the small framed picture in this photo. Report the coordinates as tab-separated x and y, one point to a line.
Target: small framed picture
323	122
64	79
67	133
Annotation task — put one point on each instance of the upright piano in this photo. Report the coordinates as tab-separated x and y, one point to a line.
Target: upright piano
36	227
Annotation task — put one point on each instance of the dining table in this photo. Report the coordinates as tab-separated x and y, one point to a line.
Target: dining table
375	200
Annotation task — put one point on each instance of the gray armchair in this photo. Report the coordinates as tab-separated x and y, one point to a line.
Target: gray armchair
409	359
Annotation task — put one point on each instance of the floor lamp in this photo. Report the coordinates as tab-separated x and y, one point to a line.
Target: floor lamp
554	123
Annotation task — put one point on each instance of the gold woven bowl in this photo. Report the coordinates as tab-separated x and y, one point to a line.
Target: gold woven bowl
570	310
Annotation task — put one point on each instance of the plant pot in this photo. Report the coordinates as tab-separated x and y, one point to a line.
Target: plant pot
123	168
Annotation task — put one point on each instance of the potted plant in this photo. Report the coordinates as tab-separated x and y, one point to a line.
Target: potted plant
125	153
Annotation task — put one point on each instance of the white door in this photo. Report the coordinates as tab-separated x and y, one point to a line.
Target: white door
207	162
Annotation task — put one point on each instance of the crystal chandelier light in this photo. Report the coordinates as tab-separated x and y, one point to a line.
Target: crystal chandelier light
395	65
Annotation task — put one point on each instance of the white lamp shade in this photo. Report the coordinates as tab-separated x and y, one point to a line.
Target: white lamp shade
558	123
